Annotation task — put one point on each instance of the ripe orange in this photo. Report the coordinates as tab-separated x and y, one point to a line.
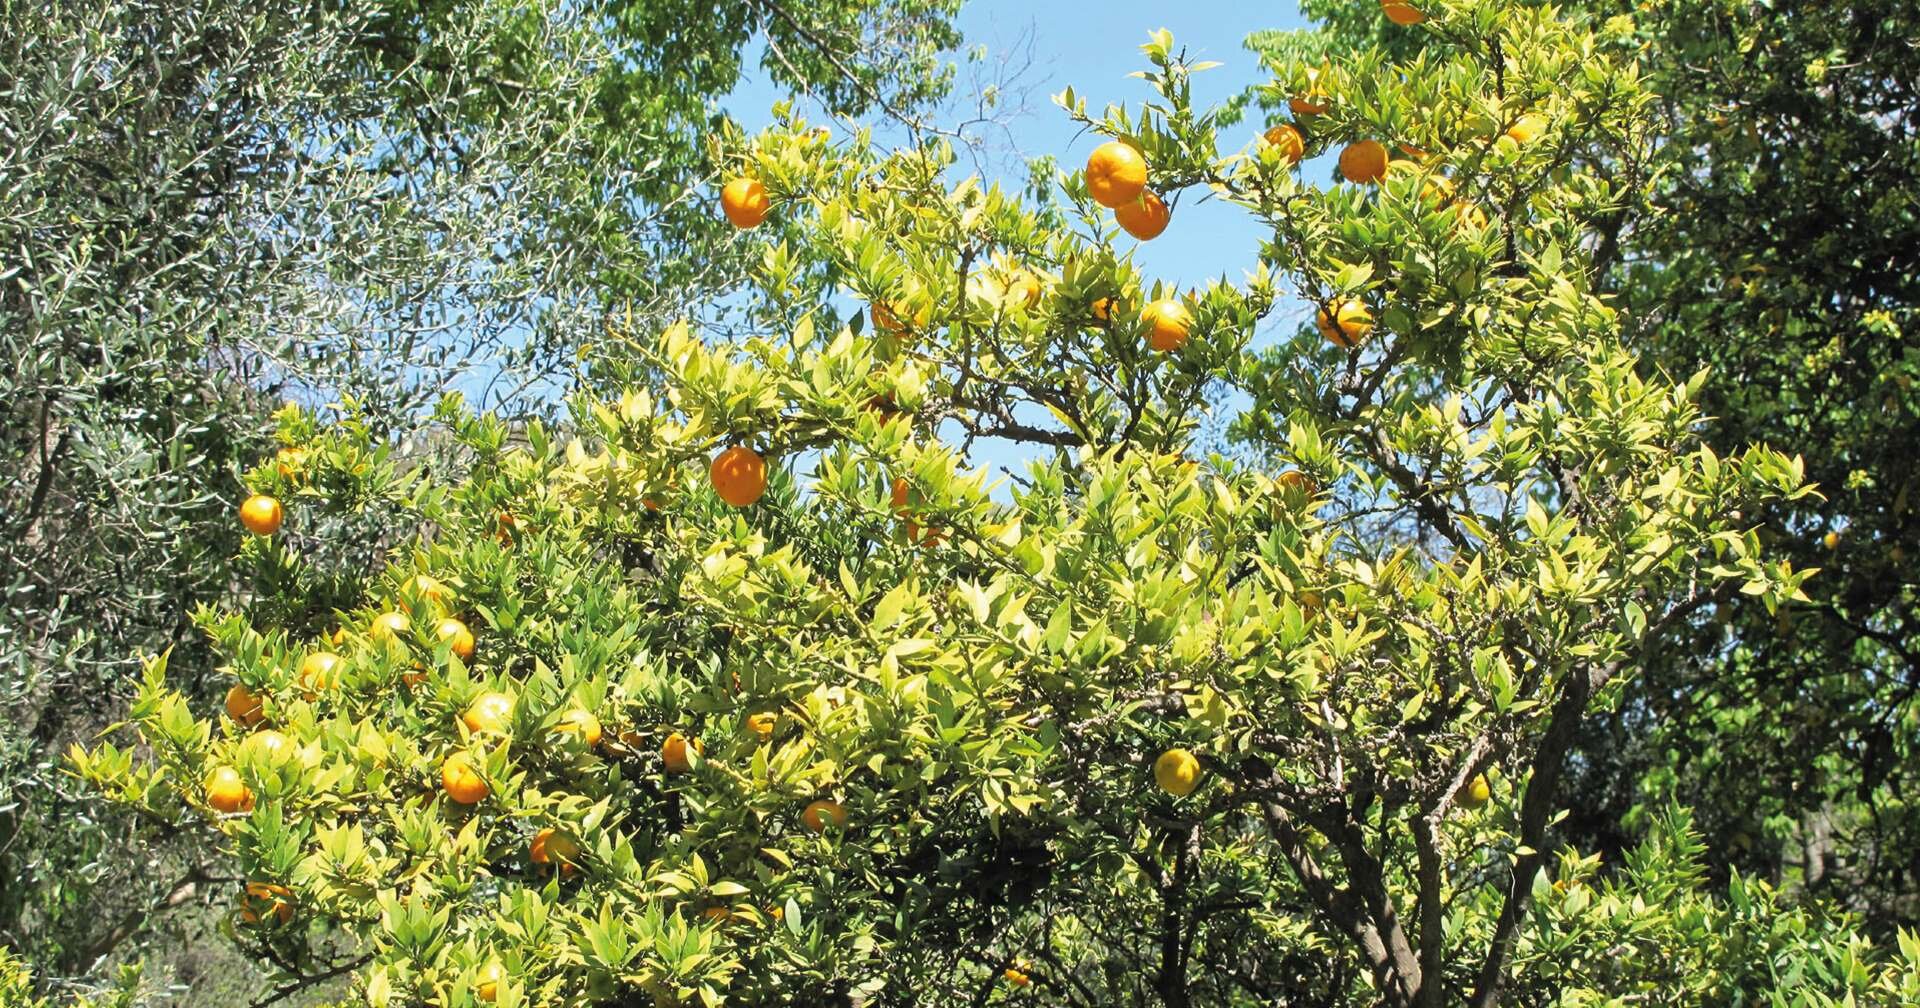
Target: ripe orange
1116	174
1365	161
506	526
717	914
320	671
1831	541
1177	772
243	705
1290	143
489	712
899	496
431	588
226	791
1168	324
463	783
289	461
745	202
1025	287
673	753
263	899
762	724
267	746
455	635
1401	13
389	626
816	815
884	320
1294	479
1527	127
486	981
581	722
1016	977
739	475
550	846
1145	217
1476	793
1308	106
261	515
1102	308
1347	326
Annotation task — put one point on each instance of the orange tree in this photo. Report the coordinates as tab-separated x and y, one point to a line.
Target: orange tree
746	688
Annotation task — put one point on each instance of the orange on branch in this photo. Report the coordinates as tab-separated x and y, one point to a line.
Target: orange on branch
1144	218
1116	174
762	724
319	672
1177	772
226	791
455	635
262	900
462	782
818	814
739	475
1364	161
581	722
1288	141
489	712
486	981
261	515
674	754
1347	325
1168	324
243	705
550	846
745	202
389	626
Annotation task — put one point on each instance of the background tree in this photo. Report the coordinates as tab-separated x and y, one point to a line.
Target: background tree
1772	244
207	208
632	720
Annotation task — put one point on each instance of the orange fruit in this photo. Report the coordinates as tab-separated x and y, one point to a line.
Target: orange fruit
431	588
243	705
389	626
263	899
226	791
739	475
745	202
267	746
1168	323
1476	793
1308	106
1177	772
1365	161
1291	144
884	320
1145	217
1025	287
261	515
288	461
762	724
717	914
1016	977
1527	127
1294	479
1401	13
899	496
455	635
816	815
489	712
1116	174
1347	326
550	846
320	671
463	783
581	722
486	981
506	526
673	753
1102	308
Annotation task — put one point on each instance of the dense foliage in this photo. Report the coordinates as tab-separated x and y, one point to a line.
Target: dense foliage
209	207
1136	727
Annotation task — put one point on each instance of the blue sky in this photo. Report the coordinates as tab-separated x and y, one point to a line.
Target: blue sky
1094	49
